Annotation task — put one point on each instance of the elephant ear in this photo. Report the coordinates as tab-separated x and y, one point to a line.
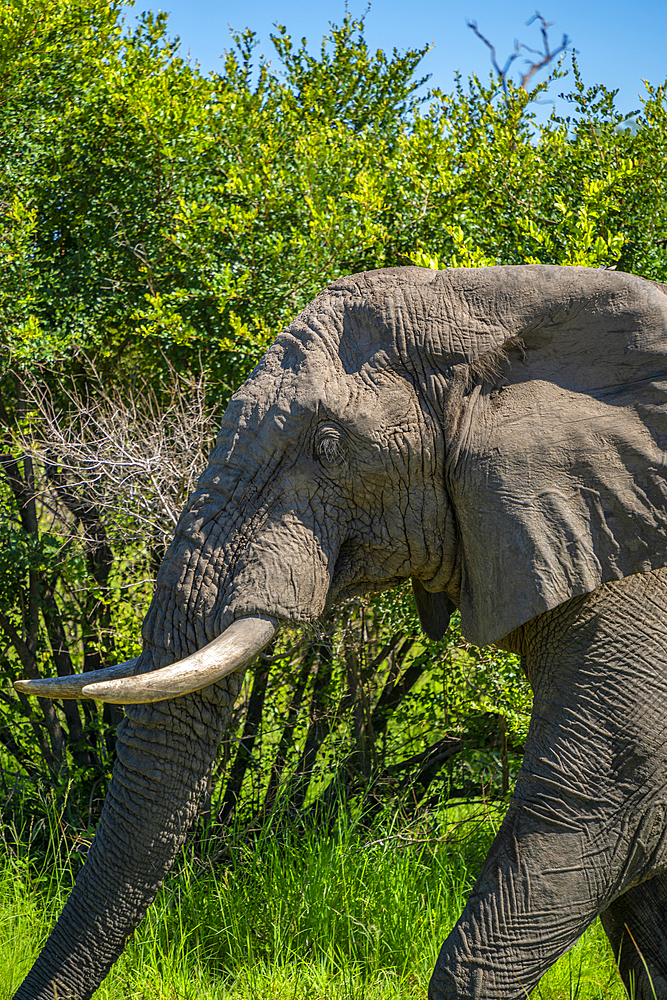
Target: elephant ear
434	610
557	448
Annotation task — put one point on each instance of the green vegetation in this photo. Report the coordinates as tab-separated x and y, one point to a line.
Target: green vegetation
158	227
348	915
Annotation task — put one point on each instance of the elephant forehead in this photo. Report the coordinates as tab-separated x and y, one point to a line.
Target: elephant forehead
288	378
282	396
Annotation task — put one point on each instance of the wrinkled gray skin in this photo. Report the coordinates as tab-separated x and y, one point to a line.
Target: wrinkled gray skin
499	436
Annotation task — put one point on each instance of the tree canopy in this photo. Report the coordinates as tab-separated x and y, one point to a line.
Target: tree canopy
151	213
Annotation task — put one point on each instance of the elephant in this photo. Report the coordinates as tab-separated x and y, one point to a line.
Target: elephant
499	436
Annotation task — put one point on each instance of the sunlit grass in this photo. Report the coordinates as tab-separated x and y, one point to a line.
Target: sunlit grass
305	915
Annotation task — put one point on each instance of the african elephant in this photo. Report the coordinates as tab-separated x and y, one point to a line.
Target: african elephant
498	435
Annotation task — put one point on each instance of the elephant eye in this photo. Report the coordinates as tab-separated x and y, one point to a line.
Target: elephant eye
329	447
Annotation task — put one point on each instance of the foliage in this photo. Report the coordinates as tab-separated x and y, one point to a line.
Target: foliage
89	502
153	213
360	913
507	190
157	224
366	714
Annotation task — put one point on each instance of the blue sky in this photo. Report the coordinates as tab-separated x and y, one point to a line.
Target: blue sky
618	43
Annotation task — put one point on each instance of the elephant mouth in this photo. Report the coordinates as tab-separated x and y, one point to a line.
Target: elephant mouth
350	578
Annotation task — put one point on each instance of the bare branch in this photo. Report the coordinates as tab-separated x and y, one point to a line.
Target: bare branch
122	466
545	55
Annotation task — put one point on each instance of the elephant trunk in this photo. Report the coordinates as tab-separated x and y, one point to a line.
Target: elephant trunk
152	802
246	557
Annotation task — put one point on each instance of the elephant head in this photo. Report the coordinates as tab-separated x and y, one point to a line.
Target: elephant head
497	435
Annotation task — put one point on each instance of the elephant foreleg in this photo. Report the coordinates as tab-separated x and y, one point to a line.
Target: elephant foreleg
535	896
636	925
587	819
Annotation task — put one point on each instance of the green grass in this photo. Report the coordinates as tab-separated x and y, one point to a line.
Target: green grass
308	916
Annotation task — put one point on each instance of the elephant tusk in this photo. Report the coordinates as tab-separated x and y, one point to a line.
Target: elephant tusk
234	649
72	686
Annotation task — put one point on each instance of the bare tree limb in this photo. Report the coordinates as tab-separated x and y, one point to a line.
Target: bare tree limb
123	464
545	56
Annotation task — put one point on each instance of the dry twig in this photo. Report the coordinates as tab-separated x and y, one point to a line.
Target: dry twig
135	458
545	56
